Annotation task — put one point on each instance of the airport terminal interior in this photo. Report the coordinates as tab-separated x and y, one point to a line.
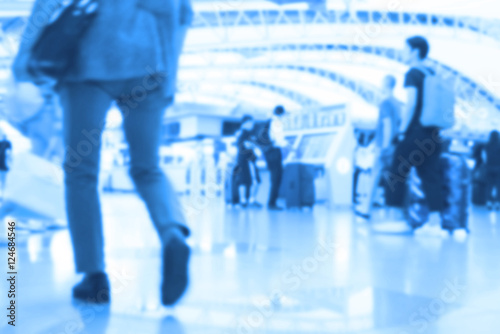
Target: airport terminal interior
328	263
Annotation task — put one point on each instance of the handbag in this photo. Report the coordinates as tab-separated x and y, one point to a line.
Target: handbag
54	51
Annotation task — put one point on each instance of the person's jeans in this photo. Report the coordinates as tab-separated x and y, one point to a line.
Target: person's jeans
274	161
421	149
85	106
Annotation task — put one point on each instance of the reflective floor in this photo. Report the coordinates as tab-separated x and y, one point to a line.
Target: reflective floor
256	271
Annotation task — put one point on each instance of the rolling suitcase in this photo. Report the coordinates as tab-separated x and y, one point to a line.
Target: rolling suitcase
417	211
456	178
298	185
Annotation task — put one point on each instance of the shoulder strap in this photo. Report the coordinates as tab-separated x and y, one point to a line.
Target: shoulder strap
425	70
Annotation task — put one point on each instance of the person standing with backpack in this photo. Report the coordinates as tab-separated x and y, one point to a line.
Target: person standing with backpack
419	142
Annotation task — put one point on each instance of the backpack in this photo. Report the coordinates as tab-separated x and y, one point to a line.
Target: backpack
438	107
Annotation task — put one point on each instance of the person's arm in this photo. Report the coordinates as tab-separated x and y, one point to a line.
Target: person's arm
409	108
277	134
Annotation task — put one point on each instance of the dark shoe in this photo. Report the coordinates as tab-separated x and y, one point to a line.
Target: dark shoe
94	288
175	268
275	208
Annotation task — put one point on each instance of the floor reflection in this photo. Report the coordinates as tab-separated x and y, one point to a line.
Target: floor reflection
278	273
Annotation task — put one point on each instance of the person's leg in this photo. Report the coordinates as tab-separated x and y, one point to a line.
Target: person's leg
142	123
428	165
271	166
395	178
275	167
254	193
235	195
142	126
279	176
273	173
248	192
490	189
497	189
375	181
242	194
395	181
254	186
430	173
245	194
84	107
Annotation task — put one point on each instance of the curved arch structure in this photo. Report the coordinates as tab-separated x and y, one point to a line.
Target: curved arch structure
359	39
270	17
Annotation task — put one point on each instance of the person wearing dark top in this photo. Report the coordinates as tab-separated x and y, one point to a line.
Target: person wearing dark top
5	148
418	147
492	153
244	172
270	139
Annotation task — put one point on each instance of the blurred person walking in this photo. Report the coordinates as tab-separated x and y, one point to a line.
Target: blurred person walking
245	173
129	56
492	165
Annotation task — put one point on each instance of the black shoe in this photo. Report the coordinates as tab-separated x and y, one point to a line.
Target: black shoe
175	268
94	288
275	208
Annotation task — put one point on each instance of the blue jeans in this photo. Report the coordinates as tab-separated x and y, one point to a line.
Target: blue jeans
85	105
420	149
